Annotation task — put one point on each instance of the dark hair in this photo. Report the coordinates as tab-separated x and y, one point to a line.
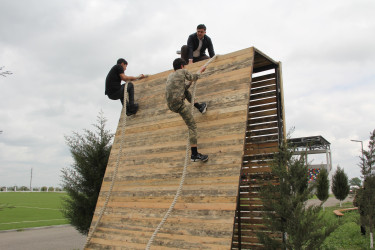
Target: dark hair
201	26
177	63
122	60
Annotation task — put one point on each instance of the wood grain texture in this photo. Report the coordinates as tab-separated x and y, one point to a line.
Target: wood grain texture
262	141
153	157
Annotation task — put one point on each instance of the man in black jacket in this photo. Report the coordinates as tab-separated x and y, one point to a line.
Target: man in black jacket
197	43
115	90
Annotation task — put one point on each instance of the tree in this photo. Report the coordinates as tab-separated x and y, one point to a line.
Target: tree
322	186
284	206
340	185
368	159
83	181
23	188
355	182
365	196
367	202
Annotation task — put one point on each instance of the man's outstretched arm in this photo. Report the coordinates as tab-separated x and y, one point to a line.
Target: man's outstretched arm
131	78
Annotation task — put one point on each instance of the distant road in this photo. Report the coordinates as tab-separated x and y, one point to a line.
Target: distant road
331	202
63	237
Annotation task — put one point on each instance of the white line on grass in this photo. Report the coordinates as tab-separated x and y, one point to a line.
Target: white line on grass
39	207
28	221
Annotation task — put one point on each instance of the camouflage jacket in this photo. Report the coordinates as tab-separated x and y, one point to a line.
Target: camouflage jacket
177	86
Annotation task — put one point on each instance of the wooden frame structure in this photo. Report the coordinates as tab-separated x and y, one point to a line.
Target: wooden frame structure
265	131
313	145
219	206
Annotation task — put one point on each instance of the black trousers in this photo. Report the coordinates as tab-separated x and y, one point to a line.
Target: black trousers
185	55
120	95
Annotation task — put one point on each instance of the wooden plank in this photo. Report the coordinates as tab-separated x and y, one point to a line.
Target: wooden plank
263	95
263	120
263	107
269	138
263	113
262	145
263	132
264	77
221	59
271	99
154	151
261	151
126	238
257	157
251	236
265	82
263	86
256	170
260	62
280	79
262	126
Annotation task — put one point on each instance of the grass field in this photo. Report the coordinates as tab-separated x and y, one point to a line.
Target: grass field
26	210
347	236
30	209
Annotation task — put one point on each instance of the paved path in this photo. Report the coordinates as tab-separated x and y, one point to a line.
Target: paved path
332	201
63	237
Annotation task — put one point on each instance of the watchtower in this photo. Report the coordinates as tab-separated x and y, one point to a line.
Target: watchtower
313	145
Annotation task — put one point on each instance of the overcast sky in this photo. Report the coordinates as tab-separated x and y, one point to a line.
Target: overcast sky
61	51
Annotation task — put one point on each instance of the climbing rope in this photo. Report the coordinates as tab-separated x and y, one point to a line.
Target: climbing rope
116	168
187	154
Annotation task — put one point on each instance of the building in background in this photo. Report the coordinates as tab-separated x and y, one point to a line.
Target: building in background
314	148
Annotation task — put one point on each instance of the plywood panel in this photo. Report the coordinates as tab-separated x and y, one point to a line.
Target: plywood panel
152	162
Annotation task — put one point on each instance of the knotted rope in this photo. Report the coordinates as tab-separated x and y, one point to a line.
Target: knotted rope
116	168
187	154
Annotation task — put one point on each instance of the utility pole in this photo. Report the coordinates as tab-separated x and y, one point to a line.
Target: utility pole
361	145
361	149
31	178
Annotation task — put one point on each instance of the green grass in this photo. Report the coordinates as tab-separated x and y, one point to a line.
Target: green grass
347	235
25	210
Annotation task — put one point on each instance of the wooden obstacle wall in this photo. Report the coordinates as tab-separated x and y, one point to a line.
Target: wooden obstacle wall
264	133
206	214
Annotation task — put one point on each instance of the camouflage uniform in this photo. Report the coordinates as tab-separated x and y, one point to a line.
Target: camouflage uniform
176	92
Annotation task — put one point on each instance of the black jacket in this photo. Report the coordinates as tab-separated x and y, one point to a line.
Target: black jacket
193	43
113	80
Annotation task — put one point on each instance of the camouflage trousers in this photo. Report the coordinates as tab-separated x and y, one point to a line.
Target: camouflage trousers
185	113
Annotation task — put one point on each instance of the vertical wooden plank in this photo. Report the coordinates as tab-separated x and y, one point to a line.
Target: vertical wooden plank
262	140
